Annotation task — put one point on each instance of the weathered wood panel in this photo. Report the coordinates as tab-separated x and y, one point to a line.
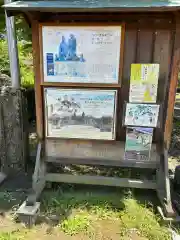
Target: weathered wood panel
162	55
88	150
129	57
37	69
144	46
148	39
169	104
99	180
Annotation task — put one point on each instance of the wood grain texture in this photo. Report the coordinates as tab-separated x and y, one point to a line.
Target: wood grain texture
147	39
88	150
162	55
173	84
129	57
104	181
37	67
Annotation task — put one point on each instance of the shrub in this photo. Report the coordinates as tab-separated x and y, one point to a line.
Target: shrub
25	59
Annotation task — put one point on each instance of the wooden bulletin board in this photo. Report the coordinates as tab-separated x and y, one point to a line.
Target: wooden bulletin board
59	57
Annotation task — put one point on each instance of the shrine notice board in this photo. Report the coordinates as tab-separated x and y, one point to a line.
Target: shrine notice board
81	68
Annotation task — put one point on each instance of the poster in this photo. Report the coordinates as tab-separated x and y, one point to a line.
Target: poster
81	54
144	115
138	143
144	83
84	114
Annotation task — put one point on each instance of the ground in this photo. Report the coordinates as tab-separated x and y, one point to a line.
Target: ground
81	213
70	212
174	153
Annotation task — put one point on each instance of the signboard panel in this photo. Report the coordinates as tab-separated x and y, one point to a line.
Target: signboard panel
144	83
143	115
80	113
138	143
81	54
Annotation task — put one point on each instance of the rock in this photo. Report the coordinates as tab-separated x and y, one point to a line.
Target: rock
177	178
5	80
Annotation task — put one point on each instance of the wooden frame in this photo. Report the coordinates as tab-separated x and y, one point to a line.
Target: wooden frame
71	84
85	90
144	43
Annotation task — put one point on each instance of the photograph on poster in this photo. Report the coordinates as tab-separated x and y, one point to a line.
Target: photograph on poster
144	115
83	114
81	54
138	143
144	83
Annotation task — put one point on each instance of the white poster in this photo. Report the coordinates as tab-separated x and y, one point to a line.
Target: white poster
84	114
143	115
81	54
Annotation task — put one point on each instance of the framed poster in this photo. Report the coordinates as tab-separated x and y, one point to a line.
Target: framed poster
81	54
138	143
80	113
144	83
143	115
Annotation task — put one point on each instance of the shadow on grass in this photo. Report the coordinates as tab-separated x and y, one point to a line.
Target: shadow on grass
75	209
62	201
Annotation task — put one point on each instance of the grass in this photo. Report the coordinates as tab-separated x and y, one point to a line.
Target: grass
93	214
178	97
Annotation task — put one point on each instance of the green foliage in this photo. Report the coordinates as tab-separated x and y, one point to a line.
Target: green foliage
22	29
24	46
76	224
4	58
26	68
25	60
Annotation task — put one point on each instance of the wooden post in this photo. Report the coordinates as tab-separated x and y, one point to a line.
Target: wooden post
173	84
37	67
13	51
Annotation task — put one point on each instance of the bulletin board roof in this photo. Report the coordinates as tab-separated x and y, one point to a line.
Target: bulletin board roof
94	5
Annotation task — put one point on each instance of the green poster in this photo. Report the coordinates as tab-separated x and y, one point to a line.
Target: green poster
138	143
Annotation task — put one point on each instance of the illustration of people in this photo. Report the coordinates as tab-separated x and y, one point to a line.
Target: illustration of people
56	57
81	59
63	49
72	48
67	50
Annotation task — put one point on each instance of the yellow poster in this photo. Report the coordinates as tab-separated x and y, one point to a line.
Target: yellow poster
144	83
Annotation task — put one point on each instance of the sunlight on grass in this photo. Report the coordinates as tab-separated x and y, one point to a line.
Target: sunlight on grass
87	210
177	96
76	224
96	215
143	219
12	236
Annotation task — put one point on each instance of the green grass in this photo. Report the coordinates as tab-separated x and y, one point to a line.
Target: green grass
76	224
87	209
95	213
15	235
177	96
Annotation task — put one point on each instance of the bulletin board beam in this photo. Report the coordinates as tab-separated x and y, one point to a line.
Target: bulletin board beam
104	181
171	90
37	74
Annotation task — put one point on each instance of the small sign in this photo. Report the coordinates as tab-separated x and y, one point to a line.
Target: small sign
138	143
143	115
144	83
